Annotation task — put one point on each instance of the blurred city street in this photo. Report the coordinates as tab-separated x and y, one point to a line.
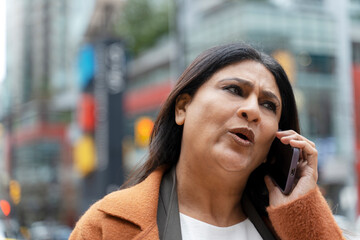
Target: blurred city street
81	83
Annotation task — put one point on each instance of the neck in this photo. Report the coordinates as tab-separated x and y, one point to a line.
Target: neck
213	198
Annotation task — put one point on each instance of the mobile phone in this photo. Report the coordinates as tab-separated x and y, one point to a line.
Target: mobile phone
282	164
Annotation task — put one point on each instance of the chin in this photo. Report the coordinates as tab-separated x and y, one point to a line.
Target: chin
235	166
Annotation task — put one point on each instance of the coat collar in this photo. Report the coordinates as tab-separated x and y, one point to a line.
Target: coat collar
137	204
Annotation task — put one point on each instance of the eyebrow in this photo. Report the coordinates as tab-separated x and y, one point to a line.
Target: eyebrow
266	93
241	81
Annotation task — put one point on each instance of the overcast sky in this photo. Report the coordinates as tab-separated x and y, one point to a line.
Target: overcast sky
2	38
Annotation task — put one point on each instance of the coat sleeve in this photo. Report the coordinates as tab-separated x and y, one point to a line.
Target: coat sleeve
308	217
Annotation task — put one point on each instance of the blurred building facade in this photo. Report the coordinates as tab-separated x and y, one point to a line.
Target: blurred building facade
39	92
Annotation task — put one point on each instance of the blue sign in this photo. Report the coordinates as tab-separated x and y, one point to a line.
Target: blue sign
86	65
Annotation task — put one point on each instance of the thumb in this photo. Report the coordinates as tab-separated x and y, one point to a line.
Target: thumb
269	184
276	197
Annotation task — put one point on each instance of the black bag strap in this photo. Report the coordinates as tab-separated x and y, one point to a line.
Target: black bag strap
168	218
255	218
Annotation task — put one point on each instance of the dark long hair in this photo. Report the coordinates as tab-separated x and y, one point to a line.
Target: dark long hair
166	137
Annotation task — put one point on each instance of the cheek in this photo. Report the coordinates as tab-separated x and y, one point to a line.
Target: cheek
269	131
197	119
201	124
204	111
205	122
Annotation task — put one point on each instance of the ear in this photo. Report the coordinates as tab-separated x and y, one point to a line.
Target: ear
182	101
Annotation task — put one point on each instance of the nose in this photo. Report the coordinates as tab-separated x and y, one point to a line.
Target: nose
249	110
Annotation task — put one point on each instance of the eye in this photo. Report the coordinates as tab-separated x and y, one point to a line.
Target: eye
270	106
235	89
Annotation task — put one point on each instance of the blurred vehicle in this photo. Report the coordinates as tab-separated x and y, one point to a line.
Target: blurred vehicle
9	229
61	232
49	230
40	231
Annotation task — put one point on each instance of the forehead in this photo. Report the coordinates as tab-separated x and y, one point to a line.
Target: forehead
251	71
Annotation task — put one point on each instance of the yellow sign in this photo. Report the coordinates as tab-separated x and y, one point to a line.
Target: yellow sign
15	191
287	61
143	129
85	155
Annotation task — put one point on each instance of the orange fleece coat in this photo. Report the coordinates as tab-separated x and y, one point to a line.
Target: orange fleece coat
131	214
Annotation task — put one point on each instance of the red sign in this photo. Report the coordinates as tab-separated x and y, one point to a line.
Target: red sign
146	99
356	79
5	207
86	112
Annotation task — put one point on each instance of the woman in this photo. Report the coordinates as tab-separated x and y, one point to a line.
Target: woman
204	177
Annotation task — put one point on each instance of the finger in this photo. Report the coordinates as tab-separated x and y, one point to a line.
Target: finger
285	132
281	134
309	152
292	135
287	139
308	165
269	184
300	170
303	157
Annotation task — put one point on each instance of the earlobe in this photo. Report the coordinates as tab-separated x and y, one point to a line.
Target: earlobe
182	102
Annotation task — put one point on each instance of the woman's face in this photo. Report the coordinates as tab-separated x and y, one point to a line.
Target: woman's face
231	121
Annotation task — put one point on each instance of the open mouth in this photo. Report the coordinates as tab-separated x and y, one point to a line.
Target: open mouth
245	134
242	136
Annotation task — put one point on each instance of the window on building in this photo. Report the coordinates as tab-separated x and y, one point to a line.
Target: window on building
319	110
356	52
312	63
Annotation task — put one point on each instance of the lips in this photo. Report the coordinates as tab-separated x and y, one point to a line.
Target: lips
243	135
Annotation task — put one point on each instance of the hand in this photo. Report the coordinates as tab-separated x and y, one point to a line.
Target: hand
306	173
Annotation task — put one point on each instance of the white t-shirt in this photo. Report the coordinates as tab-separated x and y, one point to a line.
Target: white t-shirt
193	229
